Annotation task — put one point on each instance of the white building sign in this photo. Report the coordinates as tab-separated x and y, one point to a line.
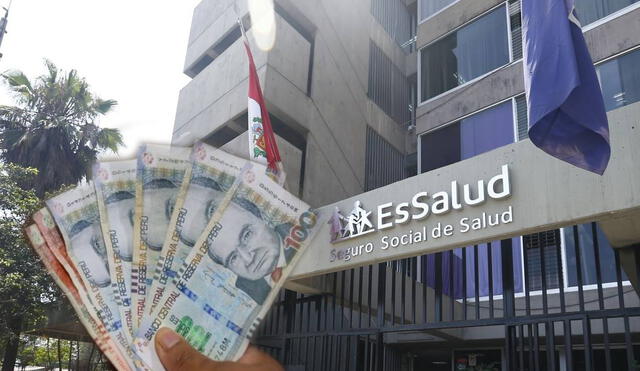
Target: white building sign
424	209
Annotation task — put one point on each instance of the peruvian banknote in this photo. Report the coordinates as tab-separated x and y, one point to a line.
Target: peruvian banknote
210	177
76	214
234	272
77	298
161	170
49	231
115	183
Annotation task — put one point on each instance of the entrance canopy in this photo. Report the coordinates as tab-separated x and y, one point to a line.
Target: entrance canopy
511	191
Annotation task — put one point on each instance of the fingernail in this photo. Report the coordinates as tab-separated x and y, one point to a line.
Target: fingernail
167	338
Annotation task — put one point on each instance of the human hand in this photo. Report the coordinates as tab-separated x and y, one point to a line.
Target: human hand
177	355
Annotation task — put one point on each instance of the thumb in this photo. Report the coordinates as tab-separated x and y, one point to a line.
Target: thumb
176	354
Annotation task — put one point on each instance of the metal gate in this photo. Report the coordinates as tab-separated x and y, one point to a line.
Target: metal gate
560	308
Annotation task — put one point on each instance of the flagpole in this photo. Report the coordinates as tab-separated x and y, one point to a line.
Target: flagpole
242	30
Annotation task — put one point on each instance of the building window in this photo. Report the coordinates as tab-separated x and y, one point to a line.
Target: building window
515	20
620	80
523	117
388	87
489	264
431	7
472	51
590	11
588	235
543	256
395	18
383	163
476	134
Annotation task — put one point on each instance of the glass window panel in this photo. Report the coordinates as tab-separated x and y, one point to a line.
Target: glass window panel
429	261
440	148
431	7
620	80
630	76
476	134
590	11
465	54
609	77
496	268
487	130
543	254
587	257
482	46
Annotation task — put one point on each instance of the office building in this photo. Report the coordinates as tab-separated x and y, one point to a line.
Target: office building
383	93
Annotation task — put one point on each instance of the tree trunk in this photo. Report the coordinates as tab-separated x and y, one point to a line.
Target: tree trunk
12	346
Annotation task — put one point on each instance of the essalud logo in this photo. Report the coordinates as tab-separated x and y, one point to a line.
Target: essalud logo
358	223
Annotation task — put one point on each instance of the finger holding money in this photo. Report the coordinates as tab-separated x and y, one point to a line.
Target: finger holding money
176	354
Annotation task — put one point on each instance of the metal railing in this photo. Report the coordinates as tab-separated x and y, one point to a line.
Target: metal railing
357	325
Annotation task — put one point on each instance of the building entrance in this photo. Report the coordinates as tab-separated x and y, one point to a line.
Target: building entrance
554	300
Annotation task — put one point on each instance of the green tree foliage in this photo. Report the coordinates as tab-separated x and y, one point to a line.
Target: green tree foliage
24	285
37	351
52	137
53	127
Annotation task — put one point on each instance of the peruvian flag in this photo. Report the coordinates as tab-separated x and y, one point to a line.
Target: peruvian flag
262	142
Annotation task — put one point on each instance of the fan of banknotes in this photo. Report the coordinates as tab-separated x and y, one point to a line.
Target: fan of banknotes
193	239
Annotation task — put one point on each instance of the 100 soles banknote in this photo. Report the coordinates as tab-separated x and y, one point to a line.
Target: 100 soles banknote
210	177
76	214
161	170
234	272
115	183
77	297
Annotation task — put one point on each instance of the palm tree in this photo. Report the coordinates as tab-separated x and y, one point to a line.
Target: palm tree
53	127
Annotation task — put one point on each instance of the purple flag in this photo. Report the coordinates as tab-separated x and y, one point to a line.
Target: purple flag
567	116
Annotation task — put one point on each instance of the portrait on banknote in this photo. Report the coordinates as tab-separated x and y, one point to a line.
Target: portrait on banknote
85	233
250	243
205	194
159	200
121	209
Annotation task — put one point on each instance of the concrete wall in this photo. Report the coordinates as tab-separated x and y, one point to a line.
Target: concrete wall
292	158
218	93
211	20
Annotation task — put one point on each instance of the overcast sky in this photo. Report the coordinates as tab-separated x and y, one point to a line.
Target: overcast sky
131	51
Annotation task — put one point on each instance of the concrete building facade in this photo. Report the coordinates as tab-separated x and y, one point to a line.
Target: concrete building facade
367	93
316	83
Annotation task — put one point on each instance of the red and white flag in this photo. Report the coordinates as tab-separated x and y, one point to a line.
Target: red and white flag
262	142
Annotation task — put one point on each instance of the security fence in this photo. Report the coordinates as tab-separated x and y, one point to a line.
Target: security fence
556	300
